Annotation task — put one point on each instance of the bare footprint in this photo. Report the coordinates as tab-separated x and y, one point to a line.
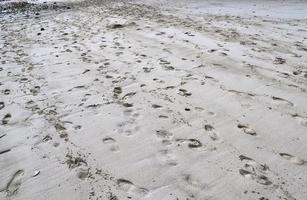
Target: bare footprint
164	134
247	129
263	180
83	173
130	188
192	143
167	156
293	159
212	132
278	99
302	120
184	92
254	170
112	143
193	181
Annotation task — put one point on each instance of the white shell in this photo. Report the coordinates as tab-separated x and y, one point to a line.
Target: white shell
36	172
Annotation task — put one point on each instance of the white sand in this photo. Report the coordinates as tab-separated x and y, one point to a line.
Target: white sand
159	100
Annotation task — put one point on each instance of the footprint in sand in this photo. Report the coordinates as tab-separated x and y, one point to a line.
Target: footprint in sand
254	170
164	134
184	92
83	173
302	120
111	142
278	99
247	129
166	137
193	181
293	159
117	91
167	156
192	143
6	118
130	188
212	132
14	183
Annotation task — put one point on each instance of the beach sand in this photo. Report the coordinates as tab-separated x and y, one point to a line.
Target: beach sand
153	100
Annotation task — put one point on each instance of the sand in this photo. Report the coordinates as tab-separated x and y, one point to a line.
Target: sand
153	100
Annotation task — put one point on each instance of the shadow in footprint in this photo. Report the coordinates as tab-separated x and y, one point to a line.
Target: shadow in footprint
254	170
192	143
278	99
302	120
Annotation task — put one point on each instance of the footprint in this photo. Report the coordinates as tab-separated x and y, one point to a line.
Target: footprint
193	181
130	188
184	92
192	143
282	100
74	162
252	164
164	134
112	143
117	91
293	159
302	120
167	156
14	183
212	133
261	179
6	118
254	170
247	129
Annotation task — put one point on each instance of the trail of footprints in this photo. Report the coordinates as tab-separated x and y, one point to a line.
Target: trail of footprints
251	168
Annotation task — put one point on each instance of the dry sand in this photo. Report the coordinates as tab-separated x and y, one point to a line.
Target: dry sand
153	100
